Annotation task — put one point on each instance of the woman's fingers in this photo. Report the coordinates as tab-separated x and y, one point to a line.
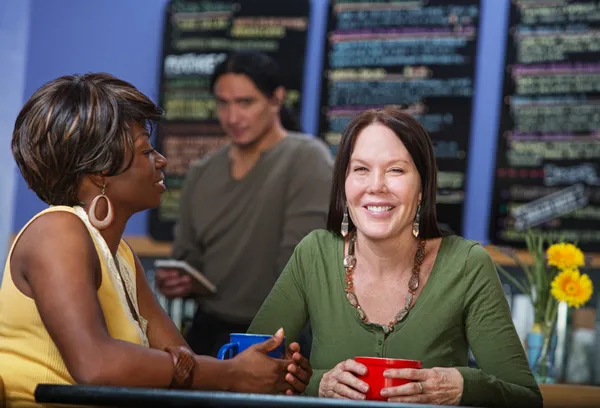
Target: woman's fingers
411	388
298	385
299	373
343	391
408	373
353	367
350	380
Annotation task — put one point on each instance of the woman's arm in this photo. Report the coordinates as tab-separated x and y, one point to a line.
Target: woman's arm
162	332
286	306
503	377
61	266
60	263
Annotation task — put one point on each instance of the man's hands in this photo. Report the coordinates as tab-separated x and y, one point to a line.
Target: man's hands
172	283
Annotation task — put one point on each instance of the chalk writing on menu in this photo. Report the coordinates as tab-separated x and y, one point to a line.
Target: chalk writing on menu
549	136
198	35
416	54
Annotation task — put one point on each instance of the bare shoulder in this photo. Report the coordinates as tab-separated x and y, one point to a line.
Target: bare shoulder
50	240
53	229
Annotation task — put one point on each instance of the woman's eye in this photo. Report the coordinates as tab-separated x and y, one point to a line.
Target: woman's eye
396	170
359	169
147	152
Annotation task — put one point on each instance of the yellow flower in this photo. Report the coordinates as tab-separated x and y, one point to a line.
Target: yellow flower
572	287
565	256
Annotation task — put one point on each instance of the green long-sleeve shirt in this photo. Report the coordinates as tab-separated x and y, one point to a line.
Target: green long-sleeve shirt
462	305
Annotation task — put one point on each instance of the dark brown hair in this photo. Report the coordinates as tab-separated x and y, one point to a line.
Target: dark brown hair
77	125
417	142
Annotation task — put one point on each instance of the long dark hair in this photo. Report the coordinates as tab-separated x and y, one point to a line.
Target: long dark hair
417	142
264	72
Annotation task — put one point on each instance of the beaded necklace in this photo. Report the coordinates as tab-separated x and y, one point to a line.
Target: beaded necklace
413	283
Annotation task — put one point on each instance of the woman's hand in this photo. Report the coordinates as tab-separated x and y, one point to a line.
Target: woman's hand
253	371
437	386
299	371
341	382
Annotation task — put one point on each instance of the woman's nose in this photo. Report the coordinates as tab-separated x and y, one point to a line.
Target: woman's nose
161	161
377	183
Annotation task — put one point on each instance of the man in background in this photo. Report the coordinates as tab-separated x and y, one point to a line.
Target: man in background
246	206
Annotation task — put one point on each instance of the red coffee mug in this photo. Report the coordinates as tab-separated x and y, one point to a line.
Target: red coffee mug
374	376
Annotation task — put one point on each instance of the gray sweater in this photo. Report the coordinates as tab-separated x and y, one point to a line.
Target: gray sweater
241	233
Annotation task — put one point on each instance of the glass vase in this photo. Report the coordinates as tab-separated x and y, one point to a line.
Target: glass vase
541	350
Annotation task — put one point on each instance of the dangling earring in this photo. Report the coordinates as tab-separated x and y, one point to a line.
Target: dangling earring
416	222
101	224
344	229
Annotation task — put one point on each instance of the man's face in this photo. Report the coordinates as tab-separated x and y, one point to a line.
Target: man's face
245	113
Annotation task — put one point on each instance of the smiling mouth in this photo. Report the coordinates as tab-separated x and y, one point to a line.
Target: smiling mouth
379	208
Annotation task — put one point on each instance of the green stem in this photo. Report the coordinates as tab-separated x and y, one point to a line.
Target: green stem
551	307
515	282
547	332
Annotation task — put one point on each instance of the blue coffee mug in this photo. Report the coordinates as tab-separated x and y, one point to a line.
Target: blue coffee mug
239	342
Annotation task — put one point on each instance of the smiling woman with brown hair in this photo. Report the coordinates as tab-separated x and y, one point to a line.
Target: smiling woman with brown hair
75	306
385	281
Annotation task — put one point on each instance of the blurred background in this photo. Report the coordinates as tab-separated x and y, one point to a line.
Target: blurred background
509	91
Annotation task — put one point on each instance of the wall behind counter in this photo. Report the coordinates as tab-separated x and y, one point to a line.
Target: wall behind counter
124	37
14	32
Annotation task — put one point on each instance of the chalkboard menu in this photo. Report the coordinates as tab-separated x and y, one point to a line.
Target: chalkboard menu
549	140
197	36
415	54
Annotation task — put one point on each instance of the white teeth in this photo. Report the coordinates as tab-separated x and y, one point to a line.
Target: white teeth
162	182
378	208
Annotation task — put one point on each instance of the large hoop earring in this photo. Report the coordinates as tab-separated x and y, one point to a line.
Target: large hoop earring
110	215
417	222
344	227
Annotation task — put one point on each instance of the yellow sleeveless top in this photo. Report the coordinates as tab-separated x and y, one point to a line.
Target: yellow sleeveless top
28	356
